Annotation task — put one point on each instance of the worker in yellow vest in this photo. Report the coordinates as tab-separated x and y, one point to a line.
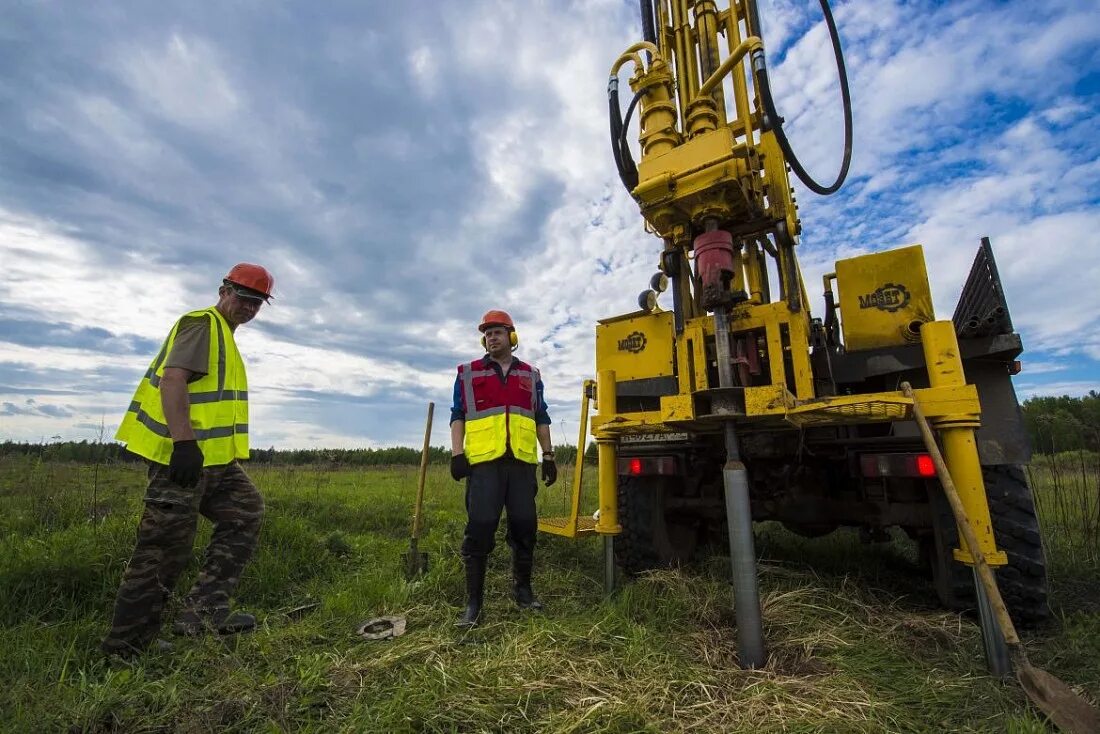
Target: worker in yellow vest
189	420
498	421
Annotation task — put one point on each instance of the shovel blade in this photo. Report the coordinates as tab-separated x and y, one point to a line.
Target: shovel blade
416	564
1066	708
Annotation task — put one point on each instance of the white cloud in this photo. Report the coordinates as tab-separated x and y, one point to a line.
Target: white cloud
183	80
1074	389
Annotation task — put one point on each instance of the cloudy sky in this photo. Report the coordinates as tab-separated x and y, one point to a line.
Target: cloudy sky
402	167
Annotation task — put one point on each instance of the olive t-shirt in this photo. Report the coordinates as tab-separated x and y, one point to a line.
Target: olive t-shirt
191	349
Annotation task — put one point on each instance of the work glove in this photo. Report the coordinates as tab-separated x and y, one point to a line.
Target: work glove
549	471
460	467
185	466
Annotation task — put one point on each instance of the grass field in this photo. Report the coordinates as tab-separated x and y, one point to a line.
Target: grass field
855	641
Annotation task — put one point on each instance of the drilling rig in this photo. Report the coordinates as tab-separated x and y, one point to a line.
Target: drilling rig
737	405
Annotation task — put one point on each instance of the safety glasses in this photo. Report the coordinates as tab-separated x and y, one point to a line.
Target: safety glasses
245	293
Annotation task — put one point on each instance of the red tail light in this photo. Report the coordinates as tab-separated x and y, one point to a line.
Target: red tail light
897	465
925	466
637	466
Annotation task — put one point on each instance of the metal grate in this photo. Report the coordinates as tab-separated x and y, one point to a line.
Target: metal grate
870	411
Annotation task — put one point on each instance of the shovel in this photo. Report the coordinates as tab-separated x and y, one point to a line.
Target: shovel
416	562
1069	711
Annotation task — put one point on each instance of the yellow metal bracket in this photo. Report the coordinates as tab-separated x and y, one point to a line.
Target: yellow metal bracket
573	525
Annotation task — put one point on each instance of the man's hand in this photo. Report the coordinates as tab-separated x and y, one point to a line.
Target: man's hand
185	466
460	467
549	469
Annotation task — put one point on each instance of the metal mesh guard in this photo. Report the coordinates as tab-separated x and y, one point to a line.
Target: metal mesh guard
585	524
871	410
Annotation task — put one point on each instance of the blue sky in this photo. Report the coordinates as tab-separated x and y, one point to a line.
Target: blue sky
401	168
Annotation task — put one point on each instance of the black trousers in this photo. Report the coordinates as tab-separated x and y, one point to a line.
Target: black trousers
491	487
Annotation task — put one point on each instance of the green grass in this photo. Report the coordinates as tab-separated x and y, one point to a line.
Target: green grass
855	641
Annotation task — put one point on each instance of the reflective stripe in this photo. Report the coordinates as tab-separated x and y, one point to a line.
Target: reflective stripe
160	357
221	351
201	434
208	397
149	422
213	397
468	375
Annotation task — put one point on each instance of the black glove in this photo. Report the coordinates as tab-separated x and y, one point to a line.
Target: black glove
549	470
460	467
185	466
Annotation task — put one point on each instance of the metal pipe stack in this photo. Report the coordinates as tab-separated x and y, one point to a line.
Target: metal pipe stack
982	309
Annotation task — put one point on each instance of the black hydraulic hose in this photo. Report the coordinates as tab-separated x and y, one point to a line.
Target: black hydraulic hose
628	172
830	318
752	19
776	122
649	28
620	148
624	147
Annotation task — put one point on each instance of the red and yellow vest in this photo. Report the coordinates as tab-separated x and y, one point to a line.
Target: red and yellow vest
219	402
499	415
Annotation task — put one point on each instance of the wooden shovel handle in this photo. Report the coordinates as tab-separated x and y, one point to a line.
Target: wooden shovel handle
985	573
423	473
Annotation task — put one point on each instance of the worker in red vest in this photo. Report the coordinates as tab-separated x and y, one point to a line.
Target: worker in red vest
498	423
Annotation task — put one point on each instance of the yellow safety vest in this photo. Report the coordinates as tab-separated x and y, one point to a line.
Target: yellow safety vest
499	415
219	402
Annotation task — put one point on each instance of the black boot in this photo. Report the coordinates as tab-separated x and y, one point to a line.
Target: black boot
475	591
521	578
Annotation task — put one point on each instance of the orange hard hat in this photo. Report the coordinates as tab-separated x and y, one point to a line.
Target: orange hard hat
253	277
496	318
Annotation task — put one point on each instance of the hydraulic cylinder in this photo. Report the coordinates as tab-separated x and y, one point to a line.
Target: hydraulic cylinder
608	523
945	369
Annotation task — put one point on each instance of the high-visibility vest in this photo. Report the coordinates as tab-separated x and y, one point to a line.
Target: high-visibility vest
499	415
219	402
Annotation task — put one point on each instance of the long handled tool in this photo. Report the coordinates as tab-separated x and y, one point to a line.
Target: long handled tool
1068	710
416	562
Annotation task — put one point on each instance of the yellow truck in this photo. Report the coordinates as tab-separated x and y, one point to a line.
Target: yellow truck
726	401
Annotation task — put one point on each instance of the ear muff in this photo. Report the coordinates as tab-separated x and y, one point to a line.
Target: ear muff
513	339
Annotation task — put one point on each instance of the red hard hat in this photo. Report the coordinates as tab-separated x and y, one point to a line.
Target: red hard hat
496	318
252	276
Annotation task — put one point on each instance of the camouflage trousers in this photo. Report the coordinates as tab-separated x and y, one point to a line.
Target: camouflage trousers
227	497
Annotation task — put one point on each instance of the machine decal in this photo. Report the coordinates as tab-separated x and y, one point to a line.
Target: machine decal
634	342
890	297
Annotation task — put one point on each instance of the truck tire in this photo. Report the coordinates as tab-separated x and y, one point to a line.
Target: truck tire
1023	582
652	538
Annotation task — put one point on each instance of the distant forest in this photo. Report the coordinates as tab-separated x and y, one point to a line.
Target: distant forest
99	451
1063	424
1053	423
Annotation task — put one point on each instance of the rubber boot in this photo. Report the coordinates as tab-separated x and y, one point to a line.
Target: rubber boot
475	591
521	579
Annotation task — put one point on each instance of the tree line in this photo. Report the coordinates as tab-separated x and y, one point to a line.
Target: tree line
1063	423
1053	424
92	452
